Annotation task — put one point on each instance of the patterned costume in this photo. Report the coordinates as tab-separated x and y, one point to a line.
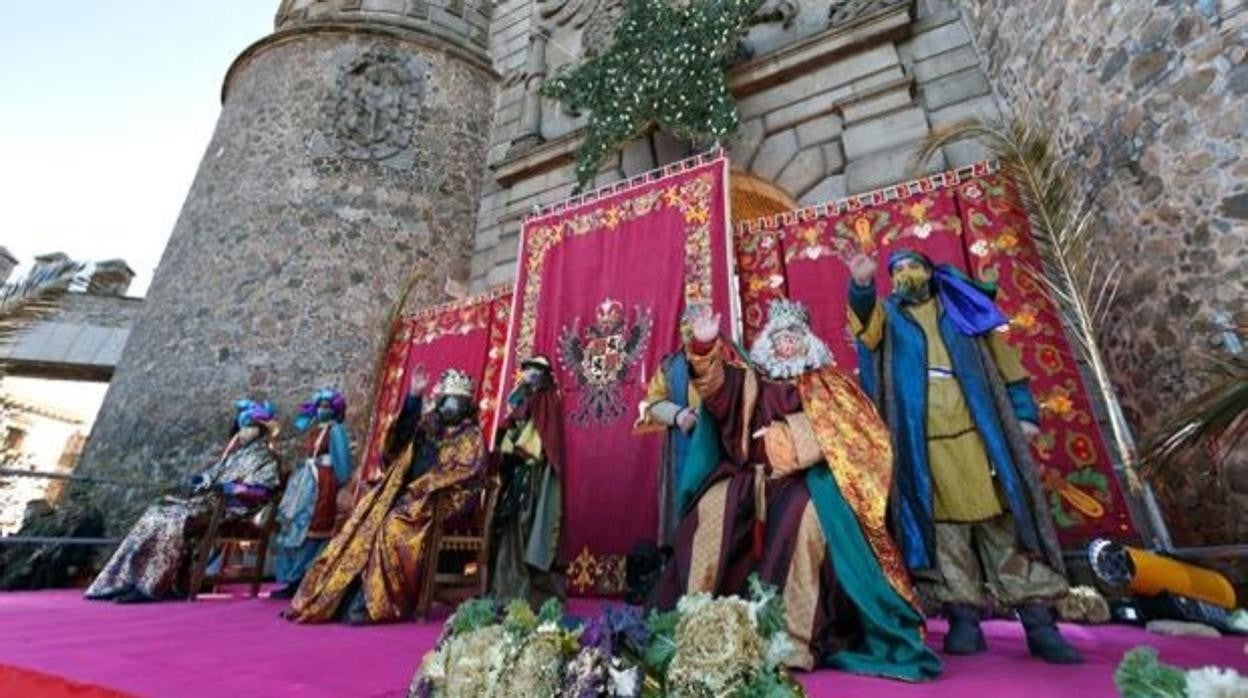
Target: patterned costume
309	507
525	561
671	392
969	512
799	498
146	565
371	571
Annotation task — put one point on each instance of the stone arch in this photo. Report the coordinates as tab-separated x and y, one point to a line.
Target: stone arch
754	197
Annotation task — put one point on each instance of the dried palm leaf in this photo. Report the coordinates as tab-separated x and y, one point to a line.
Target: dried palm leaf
36	297
1080	278
1212	423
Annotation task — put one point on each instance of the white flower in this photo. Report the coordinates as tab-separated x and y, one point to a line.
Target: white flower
980	248
625	680
692	602
922	230
778	650
1212	682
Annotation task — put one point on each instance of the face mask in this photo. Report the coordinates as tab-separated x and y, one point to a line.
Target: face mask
911	284
452	408
324	414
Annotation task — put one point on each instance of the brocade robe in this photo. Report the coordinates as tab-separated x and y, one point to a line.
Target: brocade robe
380	551
152	555
802	504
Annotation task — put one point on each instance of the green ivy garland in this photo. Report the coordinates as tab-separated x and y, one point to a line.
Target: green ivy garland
665	69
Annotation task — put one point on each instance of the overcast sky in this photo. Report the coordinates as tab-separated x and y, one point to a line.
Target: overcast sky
105	109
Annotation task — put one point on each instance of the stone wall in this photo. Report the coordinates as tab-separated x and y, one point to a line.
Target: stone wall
831	104
1148	99
343	156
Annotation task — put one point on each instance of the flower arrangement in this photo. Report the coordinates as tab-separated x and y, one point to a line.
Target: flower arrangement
707	646
1142	675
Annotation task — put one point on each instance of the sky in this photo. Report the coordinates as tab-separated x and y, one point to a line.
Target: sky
106	107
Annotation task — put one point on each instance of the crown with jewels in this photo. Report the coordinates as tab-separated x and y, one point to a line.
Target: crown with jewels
453	382
783	311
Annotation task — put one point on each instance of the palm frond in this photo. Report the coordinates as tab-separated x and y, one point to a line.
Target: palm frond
1080	279
36	297
1212	423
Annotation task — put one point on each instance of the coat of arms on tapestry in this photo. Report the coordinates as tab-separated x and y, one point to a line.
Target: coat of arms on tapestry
601	357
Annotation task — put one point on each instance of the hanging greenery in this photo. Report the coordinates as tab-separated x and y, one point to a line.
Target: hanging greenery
665	69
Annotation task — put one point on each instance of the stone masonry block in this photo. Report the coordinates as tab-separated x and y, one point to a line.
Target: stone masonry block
884	132
802	172
888	167
774	154
954	88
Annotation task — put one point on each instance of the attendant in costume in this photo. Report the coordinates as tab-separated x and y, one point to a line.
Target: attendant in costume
146	565
800	499
309	505
672	405
372	570
968	509
525	562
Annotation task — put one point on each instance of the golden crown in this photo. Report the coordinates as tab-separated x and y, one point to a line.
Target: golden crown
453	382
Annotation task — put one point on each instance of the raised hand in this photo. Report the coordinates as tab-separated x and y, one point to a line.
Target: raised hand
862	269
705	323
418	383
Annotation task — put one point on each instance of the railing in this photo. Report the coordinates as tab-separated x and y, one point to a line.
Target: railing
69	477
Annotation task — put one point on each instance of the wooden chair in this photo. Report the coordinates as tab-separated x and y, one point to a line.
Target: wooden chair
453	587
231	537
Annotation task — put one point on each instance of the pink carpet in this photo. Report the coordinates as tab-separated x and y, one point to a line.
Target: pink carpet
239	647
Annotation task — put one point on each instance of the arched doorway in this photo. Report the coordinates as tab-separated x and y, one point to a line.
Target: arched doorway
754	198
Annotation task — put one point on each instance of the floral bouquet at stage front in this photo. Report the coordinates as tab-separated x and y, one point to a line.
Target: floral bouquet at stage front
707	646
724	646
488	650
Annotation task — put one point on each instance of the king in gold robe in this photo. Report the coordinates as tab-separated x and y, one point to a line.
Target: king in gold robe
371	571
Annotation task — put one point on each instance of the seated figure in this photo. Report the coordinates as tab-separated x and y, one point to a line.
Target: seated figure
147	564
799	499
371	570
310	503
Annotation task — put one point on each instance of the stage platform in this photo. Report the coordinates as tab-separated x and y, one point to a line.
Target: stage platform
234	646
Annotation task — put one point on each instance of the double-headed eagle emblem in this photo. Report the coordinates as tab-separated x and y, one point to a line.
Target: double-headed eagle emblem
601	358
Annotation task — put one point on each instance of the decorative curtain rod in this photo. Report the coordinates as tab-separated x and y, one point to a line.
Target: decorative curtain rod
940	180
633	182
489	294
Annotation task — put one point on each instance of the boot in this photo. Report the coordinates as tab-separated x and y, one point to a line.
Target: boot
1043	638
965	637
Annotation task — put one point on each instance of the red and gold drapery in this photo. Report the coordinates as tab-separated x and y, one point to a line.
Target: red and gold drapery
973	221
469	334
600	289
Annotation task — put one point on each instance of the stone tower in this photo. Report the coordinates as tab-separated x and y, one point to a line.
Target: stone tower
350	147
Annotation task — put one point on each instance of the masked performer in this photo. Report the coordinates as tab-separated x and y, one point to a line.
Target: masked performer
529	515
309	505
146	565
372	570
969	512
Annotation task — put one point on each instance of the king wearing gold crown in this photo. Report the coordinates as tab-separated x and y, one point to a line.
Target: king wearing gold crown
799	498
371	571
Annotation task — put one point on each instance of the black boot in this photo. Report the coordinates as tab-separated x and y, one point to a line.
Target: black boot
1043	638
965	636
285	593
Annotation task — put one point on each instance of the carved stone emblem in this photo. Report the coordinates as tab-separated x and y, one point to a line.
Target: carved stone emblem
370	112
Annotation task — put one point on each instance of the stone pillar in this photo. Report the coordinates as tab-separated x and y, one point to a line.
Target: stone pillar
350	148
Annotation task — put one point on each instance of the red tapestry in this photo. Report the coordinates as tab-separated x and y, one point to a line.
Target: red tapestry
468	335
1075	467
600	291
973	224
